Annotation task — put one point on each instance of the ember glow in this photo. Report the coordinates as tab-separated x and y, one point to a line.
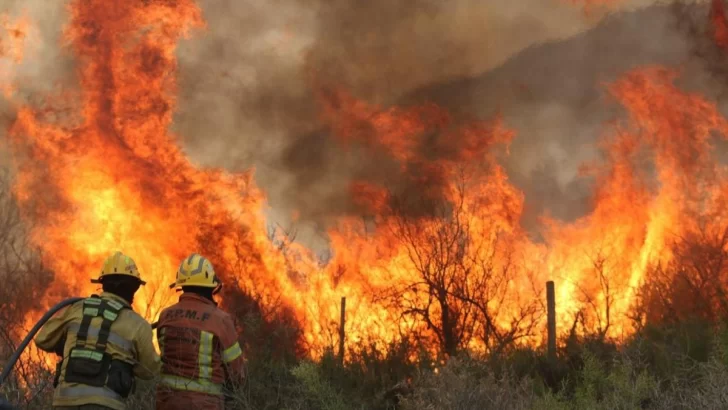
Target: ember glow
99	171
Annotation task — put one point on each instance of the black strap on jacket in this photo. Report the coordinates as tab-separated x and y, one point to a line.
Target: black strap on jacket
91	366
93	307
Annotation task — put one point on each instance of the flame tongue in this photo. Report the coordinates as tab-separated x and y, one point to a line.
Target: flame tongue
128	78
98	171
116	179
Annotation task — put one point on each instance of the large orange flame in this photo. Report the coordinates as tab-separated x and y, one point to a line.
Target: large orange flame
638	211
98	170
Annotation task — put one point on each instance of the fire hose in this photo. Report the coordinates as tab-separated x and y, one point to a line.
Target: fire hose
16	355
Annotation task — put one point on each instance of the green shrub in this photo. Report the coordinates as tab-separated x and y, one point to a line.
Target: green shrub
596	388
677	367
467	384
317	392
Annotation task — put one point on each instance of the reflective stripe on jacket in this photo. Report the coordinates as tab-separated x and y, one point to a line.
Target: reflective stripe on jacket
200	353
130	340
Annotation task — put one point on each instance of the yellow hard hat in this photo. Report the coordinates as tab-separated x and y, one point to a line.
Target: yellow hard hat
196	270
119	264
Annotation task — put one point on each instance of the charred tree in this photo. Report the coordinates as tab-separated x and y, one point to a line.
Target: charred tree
464	265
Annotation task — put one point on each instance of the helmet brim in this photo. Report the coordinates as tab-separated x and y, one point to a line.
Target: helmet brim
100	279
196	285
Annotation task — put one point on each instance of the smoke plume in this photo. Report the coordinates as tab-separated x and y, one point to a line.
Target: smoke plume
40	66
249	84
248	95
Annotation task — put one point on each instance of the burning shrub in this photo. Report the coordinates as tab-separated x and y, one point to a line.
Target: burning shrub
466	269
24	280
693	284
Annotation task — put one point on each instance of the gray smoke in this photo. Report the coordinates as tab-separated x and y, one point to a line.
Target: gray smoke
246	96
554	96
248	100
45	64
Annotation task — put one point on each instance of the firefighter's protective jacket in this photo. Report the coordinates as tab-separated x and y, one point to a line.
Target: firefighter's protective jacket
129	340
200	355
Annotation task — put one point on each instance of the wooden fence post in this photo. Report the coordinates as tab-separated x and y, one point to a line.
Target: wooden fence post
551	318
342	334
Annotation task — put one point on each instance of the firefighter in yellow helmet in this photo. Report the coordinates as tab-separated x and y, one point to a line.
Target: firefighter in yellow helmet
103	343
201	356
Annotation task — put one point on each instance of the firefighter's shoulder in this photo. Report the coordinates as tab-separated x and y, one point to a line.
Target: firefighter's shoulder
226	319
130	318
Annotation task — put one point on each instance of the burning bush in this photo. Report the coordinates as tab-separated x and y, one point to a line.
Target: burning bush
691	285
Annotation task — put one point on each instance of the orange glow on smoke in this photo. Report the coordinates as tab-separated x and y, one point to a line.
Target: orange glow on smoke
589	6
13	34
720	23
111	176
